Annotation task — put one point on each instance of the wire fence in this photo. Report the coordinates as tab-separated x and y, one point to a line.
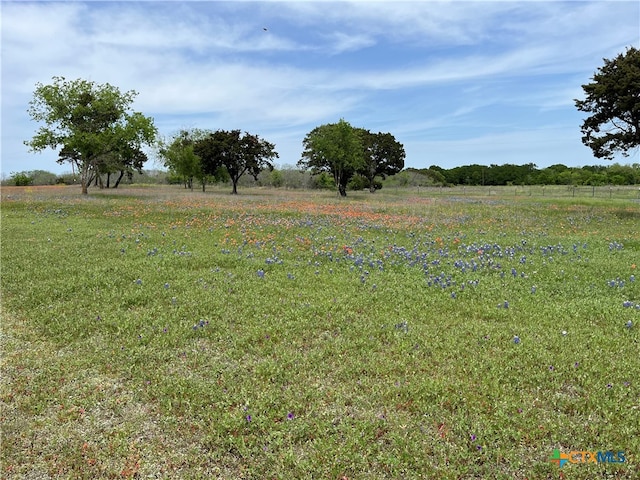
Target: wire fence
552	191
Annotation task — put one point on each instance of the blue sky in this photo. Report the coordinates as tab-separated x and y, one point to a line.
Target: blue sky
487	82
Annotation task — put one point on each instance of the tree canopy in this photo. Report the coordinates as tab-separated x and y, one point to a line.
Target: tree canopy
613	100
335	148
93	124
343	151
180	158
238	153
383	156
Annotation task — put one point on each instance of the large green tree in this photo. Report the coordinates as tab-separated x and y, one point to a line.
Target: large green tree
335	148
383	155
238	153
91	124
178	155
613	101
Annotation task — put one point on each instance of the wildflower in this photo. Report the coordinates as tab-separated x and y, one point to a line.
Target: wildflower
564	333
139	281
290	416
473	437
166	285
576	365
260	273
249	418
402	326
609	385
551	368
516	339
629	324
627	304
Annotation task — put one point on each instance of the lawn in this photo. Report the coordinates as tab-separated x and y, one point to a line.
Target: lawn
159	333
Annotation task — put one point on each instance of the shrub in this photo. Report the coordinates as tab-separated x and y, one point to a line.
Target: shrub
21	179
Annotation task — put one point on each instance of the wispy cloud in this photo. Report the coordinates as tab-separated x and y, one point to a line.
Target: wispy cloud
417	69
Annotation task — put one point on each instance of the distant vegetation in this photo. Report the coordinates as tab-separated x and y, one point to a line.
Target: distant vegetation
291	177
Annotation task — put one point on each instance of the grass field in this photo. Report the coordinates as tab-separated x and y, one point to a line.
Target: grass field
158	333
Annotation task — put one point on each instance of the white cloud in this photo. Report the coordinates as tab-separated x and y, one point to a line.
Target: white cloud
414	68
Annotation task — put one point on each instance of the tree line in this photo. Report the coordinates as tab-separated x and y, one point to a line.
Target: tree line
335	149
99	135
291	176
529	174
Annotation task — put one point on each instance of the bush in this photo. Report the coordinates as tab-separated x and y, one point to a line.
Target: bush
358	182
21	179
324	181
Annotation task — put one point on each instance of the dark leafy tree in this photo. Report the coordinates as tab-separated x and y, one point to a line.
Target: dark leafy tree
90	122
383	156
334	148
238	153
613	100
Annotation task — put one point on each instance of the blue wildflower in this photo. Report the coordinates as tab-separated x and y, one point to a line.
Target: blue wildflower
516	339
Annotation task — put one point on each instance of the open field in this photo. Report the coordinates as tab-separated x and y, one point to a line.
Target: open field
159	333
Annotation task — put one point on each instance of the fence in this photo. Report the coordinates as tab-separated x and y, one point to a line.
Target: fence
551	191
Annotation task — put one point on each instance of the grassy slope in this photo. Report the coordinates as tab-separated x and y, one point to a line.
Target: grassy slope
363	338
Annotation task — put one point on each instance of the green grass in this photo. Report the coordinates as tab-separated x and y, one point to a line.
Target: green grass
365	337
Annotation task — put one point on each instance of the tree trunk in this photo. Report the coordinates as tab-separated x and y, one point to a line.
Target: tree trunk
119	178
235	186
85	178
108	178
343	190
